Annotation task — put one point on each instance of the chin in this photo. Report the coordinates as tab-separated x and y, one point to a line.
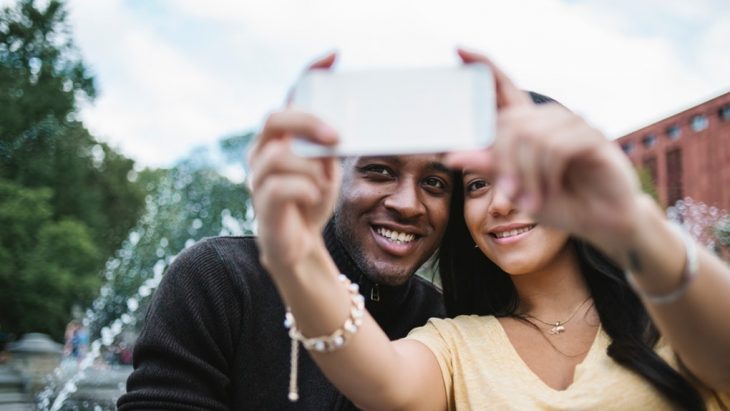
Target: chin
516	268
390	277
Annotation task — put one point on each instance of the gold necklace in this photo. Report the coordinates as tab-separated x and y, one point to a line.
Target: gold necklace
558	327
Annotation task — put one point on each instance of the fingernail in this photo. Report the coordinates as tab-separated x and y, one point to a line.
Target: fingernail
327	132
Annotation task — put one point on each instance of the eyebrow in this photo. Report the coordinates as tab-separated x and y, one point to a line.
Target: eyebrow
435	165
440	167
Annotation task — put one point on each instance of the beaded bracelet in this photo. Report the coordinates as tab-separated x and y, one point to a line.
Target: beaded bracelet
689	272
326	343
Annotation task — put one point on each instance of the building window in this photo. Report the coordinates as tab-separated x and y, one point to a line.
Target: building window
725	112
699	122
649	140
674	132
674	176
627	147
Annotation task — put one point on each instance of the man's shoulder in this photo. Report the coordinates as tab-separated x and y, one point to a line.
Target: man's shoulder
242	243
236	256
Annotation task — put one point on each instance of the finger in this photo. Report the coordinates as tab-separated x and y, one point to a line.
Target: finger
288	123
281	191
277	158
509	128
323	63
508	95
480	161
528	176
566	138
516	124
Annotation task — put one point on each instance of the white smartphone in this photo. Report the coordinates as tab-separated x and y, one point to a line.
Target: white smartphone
399	111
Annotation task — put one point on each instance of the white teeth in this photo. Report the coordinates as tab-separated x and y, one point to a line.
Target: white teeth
511	233
396	236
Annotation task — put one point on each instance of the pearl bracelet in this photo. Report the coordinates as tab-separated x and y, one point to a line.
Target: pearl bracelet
689	272
325	343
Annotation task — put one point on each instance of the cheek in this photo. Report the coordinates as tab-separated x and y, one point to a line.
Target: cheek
554	240
438	211
356	195
475	215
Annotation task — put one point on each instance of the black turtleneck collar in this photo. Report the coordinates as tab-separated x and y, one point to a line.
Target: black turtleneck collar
397	309
382	301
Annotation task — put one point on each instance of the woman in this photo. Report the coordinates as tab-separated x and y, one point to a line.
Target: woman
557	327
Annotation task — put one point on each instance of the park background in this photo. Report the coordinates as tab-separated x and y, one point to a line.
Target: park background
123	127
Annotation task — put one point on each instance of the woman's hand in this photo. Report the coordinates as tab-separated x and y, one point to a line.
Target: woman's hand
554	165
293	196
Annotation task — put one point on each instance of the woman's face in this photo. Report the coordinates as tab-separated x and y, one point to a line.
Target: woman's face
507	236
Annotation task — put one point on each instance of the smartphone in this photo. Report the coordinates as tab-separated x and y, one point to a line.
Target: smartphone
399	111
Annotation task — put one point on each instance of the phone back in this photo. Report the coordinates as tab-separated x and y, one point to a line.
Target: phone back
400	111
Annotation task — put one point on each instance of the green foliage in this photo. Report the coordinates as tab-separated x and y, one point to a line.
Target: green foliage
41	73
66	199
46	265
235	147
648	185
722	231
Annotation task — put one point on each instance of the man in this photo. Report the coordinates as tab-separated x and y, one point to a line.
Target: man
214	337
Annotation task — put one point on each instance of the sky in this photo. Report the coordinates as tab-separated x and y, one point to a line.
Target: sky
174	75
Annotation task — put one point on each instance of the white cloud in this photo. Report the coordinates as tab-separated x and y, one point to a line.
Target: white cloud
162	95
156	102
714	52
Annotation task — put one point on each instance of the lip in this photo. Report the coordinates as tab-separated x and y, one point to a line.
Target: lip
509	227
392	247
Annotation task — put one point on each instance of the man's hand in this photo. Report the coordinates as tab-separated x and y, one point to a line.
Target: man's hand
293	196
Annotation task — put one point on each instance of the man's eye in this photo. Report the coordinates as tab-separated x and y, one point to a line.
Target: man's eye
435	182
377	170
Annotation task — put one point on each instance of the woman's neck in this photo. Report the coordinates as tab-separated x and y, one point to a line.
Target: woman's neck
553	291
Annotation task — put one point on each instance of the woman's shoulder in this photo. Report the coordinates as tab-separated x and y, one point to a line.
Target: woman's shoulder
464	327
466	321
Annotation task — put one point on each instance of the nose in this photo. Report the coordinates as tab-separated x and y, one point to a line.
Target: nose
500	205
406	200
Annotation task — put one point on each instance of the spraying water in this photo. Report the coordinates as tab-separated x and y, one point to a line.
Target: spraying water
187	203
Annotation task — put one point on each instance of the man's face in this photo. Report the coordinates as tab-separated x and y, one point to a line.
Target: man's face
392	212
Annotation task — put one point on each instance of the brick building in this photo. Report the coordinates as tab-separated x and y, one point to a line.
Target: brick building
687	154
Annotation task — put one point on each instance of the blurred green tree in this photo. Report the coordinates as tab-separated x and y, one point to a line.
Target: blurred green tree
648	185
45	266
80	196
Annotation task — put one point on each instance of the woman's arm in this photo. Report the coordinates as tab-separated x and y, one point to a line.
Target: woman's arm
568	175
697	323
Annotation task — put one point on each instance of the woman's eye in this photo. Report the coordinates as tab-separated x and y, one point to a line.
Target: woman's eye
476	185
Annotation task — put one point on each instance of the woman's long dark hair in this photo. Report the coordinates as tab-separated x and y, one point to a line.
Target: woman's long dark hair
473	284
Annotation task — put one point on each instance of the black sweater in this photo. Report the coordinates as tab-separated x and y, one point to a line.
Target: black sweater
214	337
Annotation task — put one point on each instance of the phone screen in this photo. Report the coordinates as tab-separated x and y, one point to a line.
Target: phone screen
388	112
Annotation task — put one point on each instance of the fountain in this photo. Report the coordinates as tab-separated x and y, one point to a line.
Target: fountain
703	222
189	202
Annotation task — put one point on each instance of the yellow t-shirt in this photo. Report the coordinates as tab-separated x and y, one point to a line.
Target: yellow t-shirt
482	370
